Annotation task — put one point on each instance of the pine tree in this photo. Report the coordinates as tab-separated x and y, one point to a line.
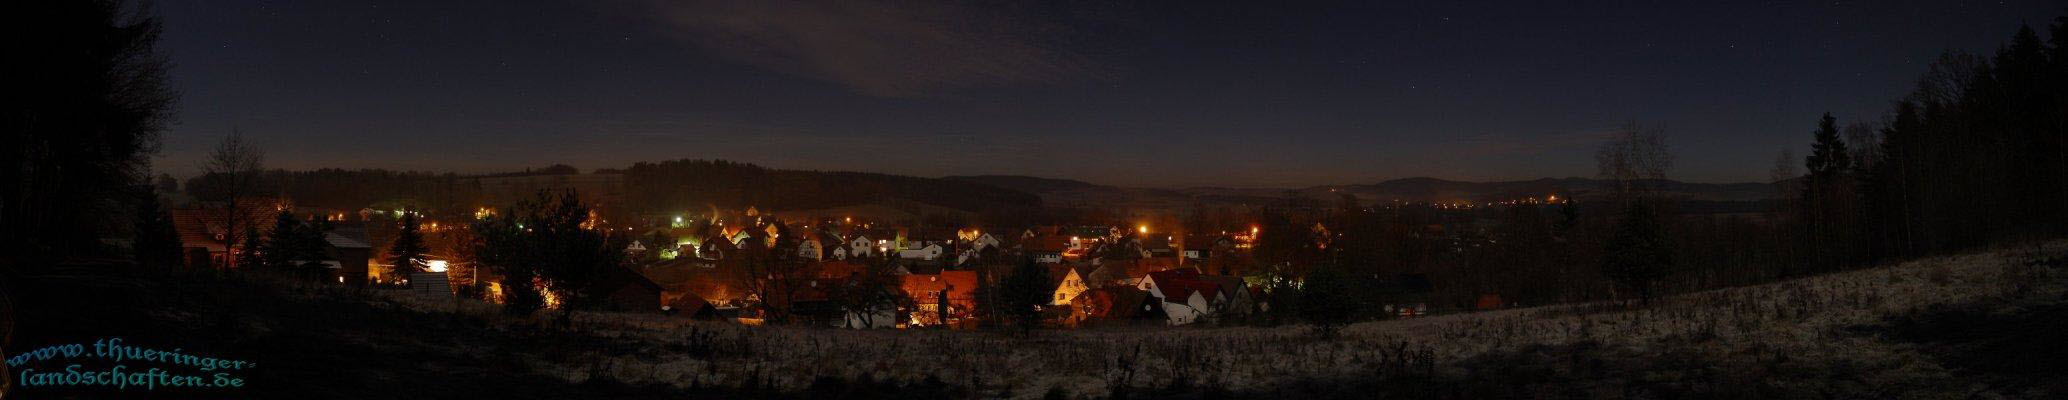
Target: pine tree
1024	292
1829	200
941	306
157	243
253	247
408	248
1828	156
1328	299
286	245
1638	254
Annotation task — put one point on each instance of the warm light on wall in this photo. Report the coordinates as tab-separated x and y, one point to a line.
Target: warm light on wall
435	265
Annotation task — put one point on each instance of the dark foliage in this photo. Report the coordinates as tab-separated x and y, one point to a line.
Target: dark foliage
545	240
1638	253
88	100
1024	292
408	248
157	244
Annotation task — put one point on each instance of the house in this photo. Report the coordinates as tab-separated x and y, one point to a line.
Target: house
809	248
880	316
1189	296
1068	283
353	254
1046	249
1236	296
860	246
925	291
840	269
621	289
1128	272
1199	248
1114	306
927	251
967	256
1157	246
718	286
715	250
689	305
204	232
984	241
1190	308
740	237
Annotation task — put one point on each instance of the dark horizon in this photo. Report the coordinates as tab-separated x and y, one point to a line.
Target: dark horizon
1144	96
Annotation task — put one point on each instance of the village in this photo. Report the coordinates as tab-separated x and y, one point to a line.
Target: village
752	267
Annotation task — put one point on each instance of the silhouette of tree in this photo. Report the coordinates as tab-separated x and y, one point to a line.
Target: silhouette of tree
408	248
254	246
1024	292
1638	254
157	242
92	101
236	166
1330	299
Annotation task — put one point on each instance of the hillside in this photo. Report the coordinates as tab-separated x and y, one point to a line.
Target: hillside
1975	325
1063	192
699	184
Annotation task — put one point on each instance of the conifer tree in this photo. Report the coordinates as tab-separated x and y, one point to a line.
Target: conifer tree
285	244
408	247
157	242
253	247
1024	292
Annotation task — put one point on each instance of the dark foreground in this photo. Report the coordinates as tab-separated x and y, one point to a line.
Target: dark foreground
317	342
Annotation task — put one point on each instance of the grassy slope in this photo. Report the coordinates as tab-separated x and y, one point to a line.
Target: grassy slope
1983	324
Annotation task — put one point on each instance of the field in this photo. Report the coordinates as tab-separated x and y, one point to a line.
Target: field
1983	324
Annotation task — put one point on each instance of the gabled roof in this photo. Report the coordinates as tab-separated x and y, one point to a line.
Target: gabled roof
199	227
1112	302
1047	244
1179	284
1058	272
960	285
840	269
347	239
1206	242
1155	242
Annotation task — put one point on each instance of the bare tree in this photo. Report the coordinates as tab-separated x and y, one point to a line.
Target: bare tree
1634	160
1863	139
1784	168
236	164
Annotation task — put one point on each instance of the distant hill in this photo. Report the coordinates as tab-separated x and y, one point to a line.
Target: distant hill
698	184
1068	193
1029	184
1440	190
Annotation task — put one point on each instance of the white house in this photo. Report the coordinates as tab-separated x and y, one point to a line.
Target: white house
1189	310
809	249
882	317
927	252
983	241
740	238
965	256
1069	287
840	252
859	246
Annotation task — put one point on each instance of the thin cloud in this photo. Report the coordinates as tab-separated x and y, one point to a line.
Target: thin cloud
1525	145
887	49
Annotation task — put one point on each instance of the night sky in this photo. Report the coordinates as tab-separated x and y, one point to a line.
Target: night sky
1159	94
